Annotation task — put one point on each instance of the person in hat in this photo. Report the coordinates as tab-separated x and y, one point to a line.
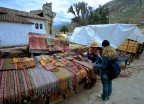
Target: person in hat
94	53
107	53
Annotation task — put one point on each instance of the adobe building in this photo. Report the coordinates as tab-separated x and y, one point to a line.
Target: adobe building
46	13
15	24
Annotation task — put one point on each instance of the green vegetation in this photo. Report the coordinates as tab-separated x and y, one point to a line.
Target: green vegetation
64	29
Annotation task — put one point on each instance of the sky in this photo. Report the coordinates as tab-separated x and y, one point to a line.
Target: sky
60	7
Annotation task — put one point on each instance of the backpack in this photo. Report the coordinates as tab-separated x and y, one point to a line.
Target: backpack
113	69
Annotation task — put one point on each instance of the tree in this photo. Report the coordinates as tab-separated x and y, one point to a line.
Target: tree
85	14
64	29
100	15
81	11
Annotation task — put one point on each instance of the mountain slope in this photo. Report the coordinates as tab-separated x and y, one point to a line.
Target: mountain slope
126	11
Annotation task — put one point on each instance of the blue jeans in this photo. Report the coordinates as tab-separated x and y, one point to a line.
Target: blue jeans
107	87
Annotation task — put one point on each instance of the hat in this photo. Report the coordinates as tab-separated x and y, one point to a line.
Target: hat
94	45
105	43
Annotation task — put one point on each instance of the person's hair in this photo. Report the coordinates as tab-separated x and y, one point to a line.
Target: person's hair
109	51
105	43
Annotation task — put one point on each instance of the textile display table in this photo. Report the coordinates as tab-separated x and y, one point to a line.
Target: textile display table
23	80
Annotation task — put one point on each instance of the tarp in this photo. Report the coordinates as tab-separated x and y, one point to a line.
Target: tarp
115	33
137	35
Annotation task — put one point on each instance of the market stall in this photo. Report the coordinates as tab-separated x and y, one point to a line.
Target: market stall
50	78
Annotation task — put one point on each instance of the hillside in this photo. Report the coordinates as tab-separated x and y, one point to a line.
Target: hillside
126	11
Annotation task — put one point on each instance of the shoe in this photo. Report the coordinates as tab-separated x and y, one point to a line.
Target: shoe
108	97
100	94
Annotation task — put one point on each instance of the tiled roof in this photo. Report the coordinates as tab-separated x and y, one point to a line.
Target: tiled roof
19	13
14	18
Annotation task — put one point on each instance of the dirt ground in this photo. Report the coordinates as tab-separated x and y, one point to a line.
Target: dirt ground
127	89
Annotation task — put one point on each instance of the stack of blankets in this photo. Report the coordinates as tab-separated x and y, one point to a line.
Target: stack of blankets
40	43
40	76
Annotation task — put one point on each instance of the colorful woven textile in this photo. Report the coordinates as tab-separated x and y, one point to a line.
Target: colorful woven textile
50	41
75	82
65	79
18	86
48	66
23	63
15	88
37	42
21	86
55	49
1	87
61	41
6	64
1	63
85	64
48	63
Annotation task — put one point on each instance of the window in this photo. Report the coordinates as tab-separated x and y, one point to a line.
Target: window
41	26
50	26
50	32
36	26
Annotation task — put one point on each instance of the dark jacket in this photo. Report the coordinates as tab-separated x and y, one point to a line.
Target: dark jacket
103	65
95	58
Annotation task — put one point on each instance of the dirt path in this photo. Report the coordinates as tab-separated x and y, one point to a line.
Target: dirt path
127	89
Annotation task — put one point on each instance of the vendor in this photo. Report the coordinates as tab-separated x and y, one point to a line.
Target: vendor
94	53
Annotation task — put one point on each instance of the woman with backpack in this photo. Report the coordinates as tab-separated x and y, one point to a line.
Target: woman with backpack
107	54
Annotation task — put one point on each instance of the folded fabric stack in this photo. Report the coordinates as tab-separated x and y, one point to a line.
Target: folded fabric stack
37	43
40	43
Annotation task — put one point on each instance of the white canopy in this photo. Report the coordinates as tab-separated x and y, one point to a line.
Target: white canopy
137	35
114	33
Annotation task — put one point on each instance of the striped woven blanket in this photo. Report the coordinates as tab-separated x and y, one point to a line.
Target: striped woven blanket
55	49
7	64
37	42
